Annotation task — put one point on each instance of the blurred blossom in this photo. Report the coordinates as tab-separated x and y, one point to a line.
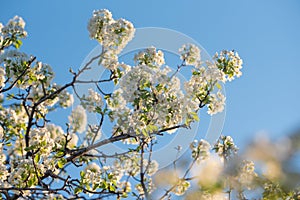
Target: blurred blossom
269	154
166	177
206	196
78	119
181	187
208	172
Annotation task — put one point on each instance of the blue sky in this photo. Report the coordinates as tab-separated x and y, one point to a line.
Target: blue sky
265	33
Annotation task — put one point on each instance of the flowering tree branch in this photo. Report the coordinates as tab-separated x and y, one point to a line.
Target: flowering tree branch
37	156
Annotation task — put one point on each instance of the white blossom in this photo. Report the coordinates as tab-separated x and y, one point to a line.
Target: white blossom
150	57
230	63
1	133
78	119
225	146
92	101
15	25
93	133
109	60
41	140
57	134
181	187
200	150
93	167
247	173
2	77
112	34
190	53
66	99
208	172
73	139
149	99
100	18
151	167
216	104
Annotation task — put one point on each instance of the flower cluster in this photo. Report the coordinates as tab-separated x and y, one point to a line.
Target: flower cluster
23	173
78	119
65	99
11	33
150	57
209	173
225	147
230	63
93	133
2	78
41	140
216	103
181	187
190	54
217	195
151	168
92	102
200	89
15	63
57	134
112	34
200	149
150	101
13	120
131	165
3	170
247	173
94	177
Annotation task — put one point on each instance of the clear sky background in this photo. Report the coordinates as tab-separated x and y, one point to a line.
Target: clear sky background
265	33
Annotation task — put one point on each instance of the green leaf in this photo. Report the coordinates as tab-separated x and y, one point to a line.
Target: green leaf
144	132
61	162
77	190
115	81
103	185
82	174
187	122
194	116
96	186
110	176
112	188
98	110
60	154
30	182
152	128
219	86
196	73
29	148
37	158
124	195
18	43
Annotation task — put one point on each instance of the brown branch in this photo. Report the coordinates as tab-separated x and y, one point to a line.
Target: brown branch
52	95
142	173
80	152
